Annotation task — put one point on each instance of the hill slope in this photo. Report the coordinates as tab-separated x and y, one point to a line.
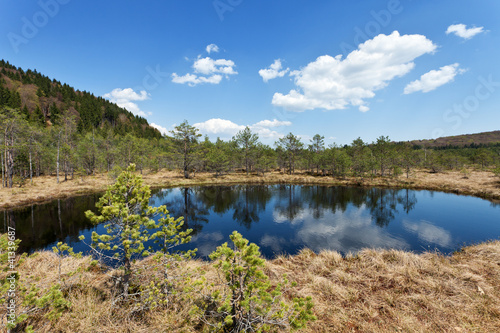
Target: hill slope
466	140
44	100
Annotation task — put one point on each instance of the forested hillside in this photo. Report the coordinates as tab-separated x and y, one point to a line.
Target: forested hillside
49	128
48	102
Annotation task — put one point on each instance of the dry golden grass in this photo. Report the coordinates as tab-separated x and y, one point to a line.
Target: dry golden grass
479	183
392	291
373	291
90	294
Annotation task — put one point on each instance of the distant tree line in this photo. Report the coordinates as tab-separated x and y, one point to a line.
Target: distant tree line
31	149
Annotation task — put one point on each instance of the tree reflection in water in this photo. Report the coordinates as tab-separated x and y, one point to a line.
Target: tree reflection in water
245	201
382	203
290	204
63	220
187	205
282	218
37	226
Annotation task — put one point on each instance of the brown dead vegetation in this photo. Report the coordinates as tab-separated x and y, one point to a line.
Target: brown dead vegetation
372	291
483	184
394	291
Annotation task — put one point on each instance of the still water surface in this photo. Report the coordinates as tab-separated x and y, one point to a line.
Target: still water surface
286	218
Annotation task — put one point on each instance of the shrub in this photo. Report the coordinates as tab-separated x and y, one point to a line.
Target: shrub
30	300
247	301
496	171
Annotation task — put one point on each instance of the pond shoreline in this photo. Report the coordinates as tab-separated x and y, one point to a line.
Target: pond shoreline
482	184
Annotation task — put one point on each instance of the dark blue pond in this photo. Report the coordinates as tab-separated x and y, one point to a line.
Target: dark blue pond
287	218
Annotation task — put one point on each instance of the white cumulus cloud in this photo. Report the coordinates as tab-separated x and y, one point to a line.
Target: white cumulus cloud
207	70
126	98
433	79
462	31
219	126
334	83
272	123
212	48
208	66
162	129
226	128
274	71
192	79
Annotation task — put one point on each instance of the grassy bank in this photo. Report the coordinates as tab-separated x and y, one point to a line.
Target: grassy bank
478	183
373	291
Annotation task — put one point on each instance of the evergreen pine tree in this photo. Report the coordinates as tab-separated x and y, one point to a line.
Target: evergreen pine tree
38	117
54	113
248	302
186	137
128	218
25	112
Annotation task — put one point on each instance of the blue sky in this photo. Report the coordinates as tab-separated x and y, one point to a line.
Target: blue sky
342	69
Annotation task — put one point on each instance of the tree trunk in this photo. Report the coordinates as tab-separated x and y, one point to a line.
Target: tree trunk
4	160
3	179
126	276
57	163
10	164
246	160
93	153
186	172
31	169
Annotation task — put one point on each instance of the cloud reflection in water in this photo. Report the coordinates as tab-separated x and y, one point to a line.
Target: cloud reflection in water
429	233
348	231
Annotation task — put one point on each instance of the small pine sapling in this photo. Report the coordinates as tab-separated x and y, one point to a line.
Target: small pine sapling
130	223
60	250
246	300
